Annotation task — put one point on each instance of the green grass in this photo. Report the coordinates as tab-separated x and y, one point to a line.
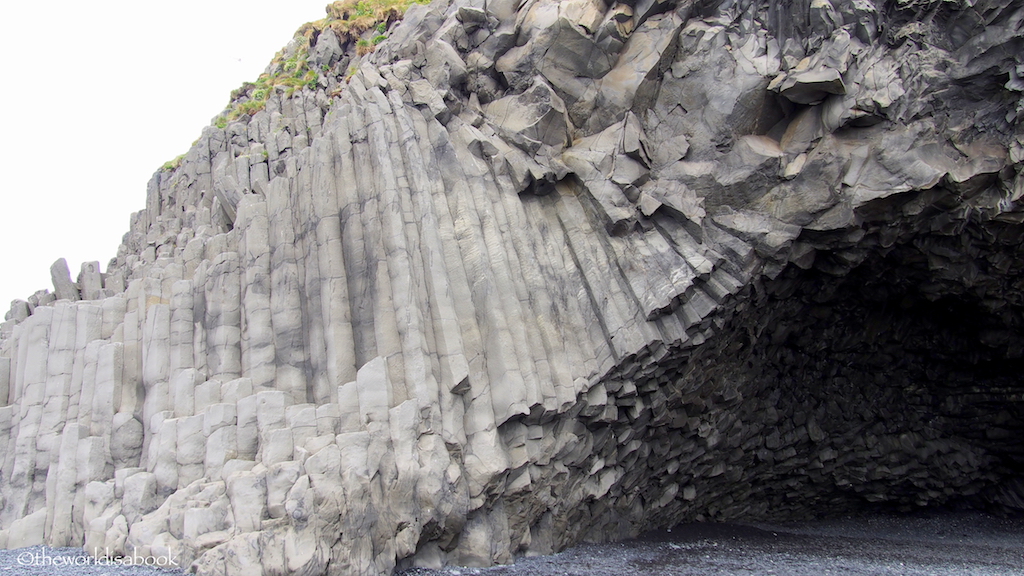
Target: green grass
351	72
353	17
348	19
172	164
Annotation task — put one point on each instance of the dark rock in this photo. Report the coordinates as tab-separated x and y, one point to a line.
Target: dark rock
544	272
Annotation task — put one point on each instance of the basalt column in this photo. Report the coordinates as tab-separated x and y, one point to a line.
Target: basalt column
481	280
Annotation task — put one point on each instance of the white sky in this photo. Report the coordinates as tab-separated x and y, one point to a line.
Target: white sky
96	97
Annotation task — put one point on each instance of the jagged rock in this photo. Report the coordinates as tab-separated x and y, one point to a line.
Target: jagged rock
532	119
327	50
816	77
809	86
90	281
536	273
20	310
63	287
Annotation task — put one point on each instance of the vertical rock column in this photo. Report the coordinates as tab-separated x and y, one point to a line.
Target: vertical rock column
155	310
182	354
258	354
5	381
403	238
93	457
60	361
224	318
64	480
486	330
107	399
307	253
61	528
285	302
183	376
134	398
378	208
20	465
199	334
445	334
61	478
340	361
60	275
352	236
90	281
153	315
78	438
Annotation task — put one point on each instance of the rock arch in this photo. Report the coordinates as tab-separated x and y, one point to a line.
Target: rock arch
527	275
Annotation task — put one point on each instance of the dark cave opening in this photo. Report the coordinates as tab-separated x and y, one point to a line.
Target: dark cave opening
924	377
884	373
888	386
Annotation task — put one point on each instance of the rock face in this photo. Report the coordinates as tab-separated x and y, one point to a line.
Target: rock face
543	272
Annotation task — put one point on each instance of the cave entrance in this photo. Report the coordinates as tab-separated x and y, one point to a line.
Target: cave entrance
889	375
902	377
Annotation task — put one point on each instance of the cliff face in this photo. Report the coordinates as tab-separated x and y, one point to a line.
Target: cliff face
537	272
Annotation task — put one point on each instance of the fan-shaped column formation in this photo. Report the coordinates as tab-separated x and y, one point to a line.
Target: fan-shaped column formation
529	275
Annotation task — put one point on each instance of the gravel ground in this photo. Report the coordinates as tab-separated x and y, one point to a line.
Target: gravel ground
927	545
934	544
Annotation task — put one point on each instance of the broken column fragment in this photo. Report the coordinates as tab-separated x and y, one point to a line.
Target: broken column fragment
63	287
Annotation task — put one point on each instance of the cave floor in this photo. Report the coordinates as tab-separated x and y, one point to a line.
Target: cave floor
932	543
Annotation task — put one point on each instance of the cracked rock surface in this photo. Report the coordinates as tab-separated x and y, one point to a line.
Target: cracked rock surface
537	273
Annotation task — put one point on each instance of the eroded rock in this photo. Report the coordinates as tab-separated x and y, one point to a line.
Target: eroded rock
533	274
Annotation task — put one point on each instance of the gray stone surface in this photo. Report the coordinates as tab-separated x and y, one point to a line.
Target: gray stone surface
90	281
63	287
534	274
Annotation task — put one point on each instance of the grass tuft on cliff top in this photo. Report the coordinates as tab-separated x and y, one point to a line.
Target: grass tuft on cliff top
172	165
290	70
